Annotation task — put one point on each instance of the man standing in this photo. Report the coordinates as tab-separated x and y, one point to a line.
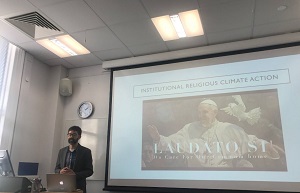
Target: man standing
75	159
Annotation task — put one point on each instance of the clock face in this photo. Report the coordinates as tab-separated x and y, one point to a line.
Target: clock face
85	109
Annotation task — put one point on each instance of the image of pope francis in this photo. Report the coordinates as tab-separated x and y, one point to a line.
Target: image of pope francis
211	143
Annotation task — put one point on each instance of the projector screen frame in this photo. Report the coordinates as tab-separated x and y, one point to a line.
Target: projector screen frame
235	53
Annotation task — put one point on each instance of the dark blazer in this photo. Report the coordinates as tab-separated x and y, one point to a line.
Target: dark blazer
83	167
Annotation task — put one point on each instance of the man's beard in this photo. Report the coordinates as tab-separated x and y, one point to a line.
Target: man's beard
72	141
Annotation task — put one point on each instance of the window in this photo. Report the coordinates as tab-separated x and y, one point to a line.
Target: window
5	78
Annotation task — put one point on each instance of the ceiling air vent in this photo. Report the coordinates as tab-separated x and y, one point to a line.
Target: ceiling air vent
34	25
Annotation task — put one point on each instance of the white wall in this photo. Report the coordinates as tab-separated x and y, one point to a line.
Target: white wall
36	118
91	84
42	113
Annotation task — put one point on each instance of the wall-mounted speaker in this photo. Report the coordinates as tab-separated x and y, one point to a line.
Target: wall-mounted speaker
65	87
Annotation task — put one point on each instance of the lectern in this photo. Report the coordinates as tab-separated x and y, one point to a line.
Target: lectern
14	184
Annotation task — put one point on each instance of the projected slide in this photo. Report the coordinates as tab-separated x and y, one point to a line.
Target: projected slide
247	124
219	123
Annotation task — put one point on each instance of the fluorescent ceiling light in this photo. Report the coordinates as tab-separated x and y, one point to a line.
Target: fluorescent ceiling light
191	23
185	24
178	26
165	28
53	48
73	44
63	46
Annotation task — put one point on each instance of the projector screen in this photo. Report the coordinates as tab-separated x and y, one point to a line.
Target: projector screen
229	122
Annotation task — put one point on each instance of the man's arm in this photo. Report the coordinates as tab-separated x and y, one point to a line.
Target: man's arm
87	165
58	166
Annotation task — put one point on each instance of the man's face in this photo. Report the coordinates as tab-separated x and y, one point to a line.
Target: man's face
148	155
207	114
73	137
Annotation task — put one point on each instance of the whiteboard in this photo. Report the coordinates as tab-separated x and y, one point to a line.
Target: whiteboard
94	137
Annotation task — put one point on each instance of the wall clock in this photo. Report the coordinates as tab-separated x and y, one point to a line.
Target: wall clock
85	109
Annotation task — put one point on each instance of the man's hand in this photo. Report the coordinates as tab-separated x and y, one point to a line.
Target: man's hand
152	130
67	170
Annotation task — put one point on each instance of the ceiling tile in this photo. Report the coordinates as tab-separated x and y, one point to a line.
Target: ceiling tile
116	11
184	43
204	3
12	34
148	49
83	60
270	7
157	8
73	16
276	28
10	8
114	29
113	54
136	33
37	51
226	15
58	62
44	3
98	39
229	36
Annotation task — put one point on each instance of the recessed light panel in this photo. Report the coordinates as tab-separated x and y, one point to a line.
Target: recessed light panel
185	24
63	46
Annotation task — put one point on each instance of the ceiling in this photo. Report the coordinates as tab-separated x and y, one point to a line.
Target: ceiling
116	29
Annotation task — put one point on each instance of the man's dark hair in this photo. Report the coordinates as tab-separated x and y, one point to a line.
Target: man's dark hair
75	128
